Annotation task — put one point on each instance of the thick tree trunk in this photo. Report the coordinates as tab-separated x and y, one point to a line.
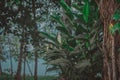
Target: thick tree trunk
109	69
110	53
117	55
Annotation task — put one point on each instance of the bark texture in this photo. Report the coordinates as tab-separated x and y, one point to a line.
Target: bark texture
111	59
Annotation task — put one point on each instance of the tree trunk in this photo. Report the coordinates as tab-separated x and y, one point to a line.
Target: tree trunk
110	66
29	68
24	74
35	67
35	43
11	64
117	55
0	68
18	73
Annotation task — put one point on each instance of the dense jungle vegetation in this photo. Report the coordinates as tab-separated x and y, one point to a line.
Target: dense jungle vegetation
79	39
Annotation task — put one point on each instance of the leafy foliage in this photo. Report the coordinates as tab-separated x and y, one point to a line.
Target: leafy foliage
74	49
86	10
78	48
115	26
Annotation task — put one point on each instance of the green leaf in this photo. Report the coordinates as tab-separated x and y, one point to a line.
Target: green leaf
86	11
77	7
51	42
62	26
81	29
49	36
67	9
63	30
70	15
79	16
65	6
118	1
55	53
115	28
17	1
72	42
67	47
87	44
58	19
116	16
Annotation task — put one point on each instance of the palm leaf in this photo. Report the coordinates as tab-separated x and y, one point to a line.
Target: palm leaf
53	68
55	53
65	6
86	11
83	64
67	9
49	36
59	61
63	30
